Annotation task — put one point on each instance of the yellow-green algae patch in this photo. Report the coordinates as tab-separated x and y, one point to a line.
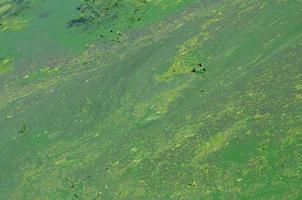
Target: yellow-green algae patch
13	24
4	8
159	104
5	65
218	141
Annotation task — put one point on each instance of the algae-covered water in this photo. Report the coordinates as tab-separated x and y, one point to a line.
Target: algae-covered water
150	99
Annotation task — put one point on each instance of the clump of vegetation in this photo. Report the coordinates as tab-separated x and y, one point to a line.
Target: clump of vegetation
10	8
5	65
106	11
200	69
114	16
9	14
23	128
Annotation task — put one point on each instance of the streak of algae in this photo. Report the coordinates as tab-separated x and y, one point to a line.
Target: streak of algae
47	78
5	8
181	63
8	96
5	65
218	141
159	104
13	24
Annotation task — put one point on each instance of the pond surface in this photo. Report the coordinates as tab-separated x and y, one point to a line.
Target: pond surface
135	99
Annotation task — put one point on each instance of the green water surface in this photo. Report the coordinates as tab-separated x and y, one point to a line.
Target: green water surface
122	116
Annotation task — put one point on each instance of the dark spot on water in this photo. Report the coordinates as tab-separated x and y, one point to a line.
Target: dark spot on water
193	184
107	169
199	69
113	16
40	163
23	129
72	184
82	8
45	14
76	22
